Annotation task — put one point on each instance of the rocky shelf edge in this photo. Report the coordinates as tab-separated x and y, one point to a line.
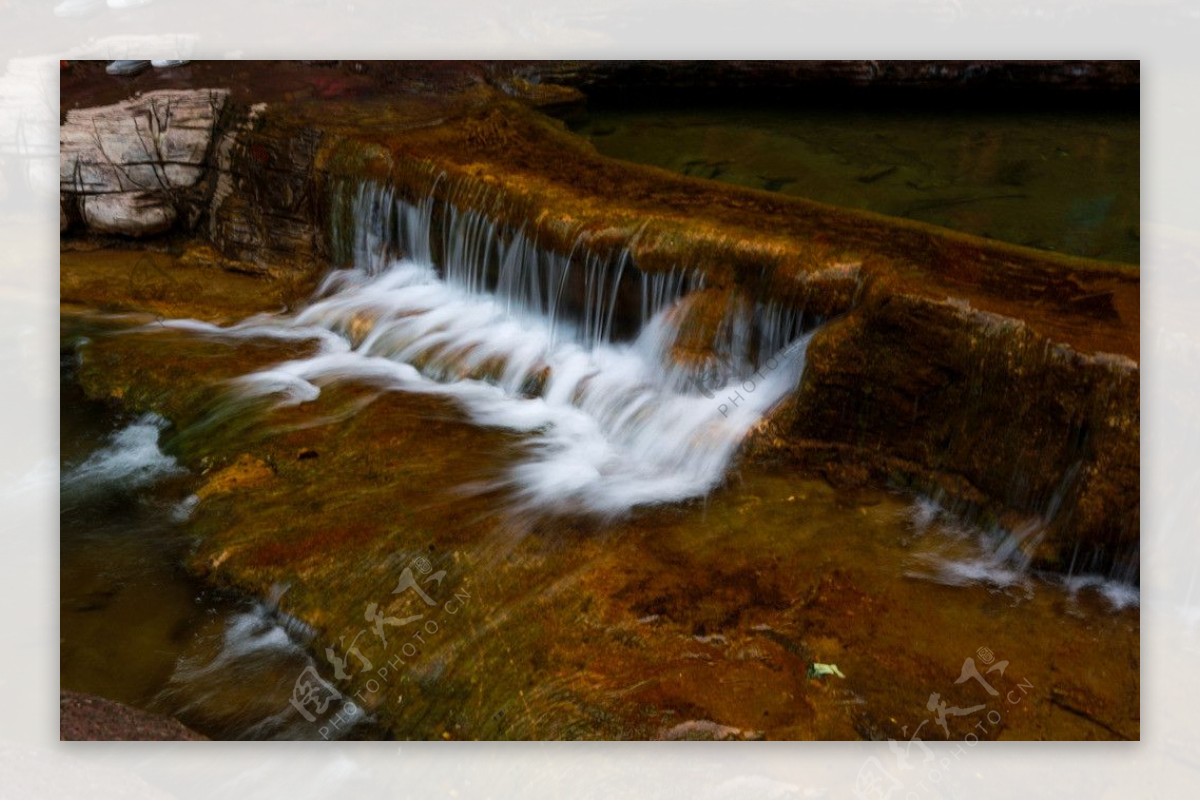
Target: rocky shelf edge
1003	377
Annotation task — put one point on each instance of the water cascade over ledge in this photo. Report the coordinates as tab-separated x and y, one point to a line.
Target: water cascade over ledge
583	354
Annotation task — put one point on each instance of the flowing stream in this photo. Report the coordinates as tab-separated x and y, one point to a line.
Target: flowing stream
611	425
579	358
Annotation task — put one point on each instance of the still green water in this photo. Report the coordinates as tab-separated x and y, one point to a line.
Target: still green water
1061	181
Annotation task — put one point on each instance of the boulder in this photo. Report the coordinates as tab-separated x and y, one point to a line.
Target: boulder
134	163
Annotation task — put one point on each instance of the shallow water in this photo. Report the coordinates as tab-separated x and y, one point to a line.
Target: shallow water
135	626
1064	181
118	554
711	609
613	571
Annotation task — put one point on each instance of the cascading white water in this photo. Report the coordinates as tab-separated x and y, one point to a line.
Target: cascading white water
523	339
131	460
960	554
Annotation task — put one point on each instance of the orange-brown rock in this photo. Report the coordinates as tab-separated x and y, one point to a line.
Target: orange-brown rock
1004	376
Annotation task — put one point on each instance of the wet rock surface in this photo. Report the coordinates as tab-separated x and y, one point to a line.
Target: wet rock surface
692	621
980	407
1002	377
989	313
192	282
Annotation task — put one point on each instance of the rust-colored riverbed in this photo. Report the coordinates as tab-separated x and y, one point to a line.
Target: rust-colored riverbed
710	618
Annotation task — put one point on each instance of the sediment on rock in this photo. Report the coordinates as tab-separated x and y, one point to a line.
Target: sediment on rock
1003	376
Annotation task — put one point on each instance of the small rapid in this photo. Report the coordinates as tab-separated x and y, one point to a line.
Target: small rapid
130	460
953	552
531	341
582	355
135	627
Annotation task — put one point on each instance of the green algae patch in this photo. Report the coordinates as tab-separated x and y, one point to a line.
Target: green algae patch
178	375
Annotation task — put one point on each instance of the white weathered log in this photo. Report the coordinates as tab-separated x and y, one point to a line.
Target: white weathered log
127	213
130	144
140	151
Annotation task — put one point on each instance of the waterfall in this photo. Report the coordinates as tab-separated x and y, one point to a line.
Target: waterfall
958	549
581	290
575	351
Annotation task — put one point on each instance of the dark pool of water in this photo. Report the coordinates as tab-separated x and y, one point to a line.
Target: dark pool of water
134	625
1062	181
125	609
